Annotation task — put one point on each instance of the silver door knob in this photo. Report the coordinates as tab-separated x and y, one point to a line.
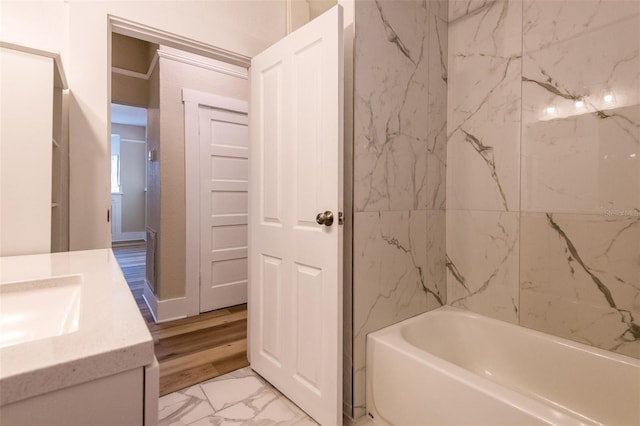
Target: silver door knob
325	218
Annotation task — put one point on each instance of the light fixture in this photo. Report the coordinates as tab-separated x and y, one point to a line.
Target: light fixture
608	98
551	110
579	103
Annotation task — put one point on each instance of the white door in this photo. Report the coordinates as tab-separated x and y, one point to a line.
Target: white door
295	264
224	146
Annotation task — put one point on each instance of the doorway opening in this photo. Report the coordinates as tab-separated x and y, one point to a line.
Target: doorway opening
128	174
148	78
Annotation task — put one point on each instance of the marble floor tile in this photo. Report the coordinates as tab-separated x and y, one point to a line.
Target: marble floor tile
238	398
184	407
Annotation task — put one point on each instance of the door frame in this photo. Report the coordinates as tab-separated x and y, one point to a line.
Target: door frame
193	100
167	309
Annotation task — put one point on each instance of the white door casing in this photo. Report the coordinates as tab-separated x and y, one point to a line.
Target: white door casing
295	264
224	146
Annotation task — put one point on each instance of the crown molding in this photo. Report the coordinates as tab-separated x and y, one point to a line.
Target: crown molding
221	68
134	29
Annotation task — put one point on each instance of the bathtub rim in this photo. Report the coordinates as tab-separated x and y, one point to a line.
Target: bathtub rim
535	406
583	347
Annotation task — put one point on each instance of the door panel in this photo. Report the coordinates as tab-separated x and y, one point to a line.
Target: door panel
269	344
295	264
270	99
228	237
309	359
225	201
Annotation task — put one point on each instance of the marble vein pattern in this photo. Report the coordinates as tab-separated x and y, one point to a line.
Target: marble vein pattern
400	115
483	120
392	281
581	106
437	107
482	262
460	8
238	398
580	278
391	92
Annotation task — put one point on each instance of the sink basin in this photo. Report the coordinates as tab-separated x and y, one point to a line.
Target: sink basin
37	309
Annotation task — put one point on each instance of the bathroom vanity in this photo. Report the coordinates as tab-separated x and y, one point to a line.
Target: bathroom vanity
74	348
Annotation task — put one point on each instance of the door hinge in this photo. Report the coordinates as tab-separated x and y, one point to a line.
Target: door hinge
108	215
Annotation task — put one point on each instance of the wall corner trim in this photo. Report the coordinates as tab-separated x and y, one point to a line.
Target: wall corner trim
164	310
60	78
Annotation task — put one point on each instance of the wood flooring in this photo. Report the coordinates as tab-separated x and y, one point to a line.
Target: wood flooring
192	349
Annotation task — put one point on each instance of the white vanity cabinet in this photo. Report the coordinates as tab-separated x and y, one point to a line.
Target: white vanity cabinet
118	399
88	359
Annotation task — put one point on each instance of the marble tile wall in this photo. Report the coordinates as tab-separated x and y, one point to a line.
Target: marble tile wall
543	166
400	87
483	150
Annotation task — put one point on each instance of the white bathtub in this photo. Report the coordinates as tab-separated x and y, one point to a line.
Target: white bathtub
453	367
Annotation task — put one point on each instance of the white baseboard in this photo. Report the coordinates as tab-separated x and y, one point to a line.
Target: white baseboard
164	310
128	236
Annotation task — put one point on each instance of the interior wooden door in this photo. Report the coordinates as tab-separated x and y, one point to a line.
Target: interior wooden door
224	146
295	260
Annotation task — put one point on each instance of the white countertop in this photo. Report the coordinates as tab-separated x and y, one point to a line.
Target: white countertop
111	335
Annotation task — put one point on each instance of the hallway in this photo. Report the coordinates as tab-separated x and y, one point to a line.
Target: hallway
189	350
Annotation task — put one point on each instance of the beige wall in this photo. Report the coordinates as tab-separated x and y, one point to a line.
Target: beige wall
37	24
128	90
78	29
174	76
132	177
303	11
131	53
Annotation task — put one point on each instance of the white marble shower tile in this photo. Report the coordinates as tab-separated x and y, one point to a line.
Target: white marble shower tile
460	8
390	279
581	113
483	120
440	9
435	274
391	91
580	278
482	262
581	163
437	107
547	23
